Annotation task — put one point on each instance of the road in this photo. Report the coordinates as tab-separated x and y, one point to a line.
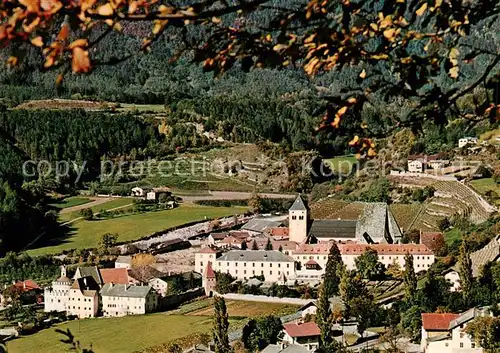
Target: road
234	195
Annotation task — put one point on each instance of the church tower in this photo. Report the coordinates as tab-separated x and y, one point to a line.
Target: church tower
297	221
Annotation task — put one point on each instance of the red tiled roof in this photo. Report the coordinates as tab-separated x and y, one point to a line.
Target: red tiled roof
311	262
114	275
262	242
305	329
437	322
239	235
428	238
320	248
278	231
232	240
26	285
209	271
207	250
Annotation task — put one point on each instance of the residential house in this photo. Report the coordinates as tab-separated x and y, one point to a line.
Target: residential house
162	284
83	299
432	240
467	141
305	334
123	299
140	191
415	165
202	257
278	233
446	333
56	296
28	290
232	242
215	238
116	276
123	262
244	264
156	194
92	271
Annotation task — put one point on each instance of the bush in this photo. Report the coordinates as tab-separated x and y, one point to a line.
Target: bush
87	214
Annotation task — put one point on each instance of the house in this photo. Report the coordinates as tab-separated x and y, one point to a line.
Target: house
244	264
123	262
28	291
124	299
432	240
92	271
260	224
161	284
83	299
415	165
305	334
56	296
446	333
202	257
232	242
278	233
140	191
309	309
215	238
467	141
157	194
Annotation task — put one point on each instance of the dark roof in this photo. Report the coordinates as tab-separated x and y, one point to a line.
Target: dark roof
91	271
329	228
298	205
86	283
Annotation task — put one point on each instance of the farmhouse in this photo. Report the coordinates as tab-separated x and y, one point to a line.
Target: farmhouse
445	333
467	141
417	163
244	264
305	334
123	262
83	299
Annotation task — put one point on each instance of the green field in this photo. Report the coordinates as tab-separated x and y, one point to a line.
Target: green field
71	202
119	202
135	333
484	185
132	227
452	235
341	164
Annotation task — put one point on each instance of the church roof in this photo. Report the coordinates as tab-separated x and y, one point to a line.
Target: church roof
298	205
333	228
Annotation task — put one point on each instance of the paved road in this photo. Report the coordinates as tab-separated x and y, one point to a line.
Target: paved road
234	195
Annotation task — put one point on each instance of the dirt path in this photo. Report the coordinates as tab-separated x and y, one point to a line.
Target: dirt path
96	201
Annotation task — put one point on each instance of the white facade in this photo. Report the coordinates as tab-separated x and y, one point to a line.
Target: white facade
83	304
127	301
309	341
201	258
123	262
297	221
159	285
138	192
56	296
467	140
415	166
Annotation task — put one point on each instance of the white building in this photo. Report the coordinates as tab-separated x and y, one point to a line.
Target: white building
245	264
445	333
311	259
302	334
202	257
123	262
83	300
122	299
139	192
467	141
297	221
56	296
415	166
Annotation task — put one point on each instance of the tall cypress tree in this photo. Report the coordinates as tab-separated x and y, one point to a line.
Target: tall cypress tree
269	245
221	325
254	245
410	279
332	277
324	317
465	272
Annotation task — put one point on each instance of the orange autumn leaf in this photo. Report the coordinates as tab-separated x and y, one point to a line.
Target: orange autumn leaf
37	42
80	61
63	33
78	43
105	10
354	141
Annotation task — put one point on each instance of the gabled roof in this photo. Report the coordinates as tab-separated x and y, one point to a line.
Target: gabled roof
278	231
114	275
306	329
377	224
207	250
87	285
467	316
298	205
124	259
261	224
311	263
218	236
428	238
89	271
27	285
125	290
437	322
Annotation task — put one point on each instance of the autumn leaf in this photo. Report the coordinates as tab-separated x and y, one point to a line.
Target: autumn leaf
363	74
454	72
78	43
37	42
105	10
421	10
31	5
390	33
371	152
59	79
354	141
80	61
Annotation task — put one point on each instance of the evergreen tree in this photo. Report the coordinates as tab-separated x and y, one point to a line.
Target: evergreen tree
269	245
410	279
280	249
324	317
244	246
332	277
221	325
254	245
465	272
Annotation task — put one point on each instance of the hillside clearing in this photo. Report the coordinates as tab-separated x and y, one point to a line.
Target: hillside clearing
85	234
107	205
71	202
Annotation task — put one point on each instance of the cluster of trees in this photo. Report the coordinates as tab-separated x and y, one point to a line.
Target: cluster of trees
15	267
